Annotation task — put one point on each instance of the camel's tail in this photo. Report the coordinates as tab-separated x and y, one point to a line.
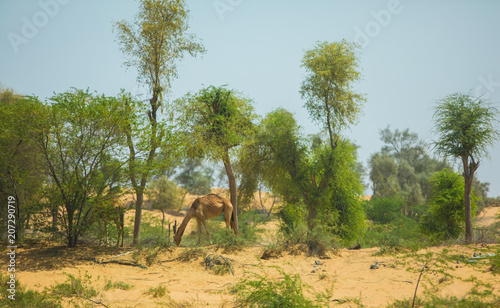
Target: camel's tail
187	218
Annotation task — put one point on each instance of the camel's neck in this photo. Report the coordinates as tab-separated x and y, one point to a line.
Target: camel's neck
184	223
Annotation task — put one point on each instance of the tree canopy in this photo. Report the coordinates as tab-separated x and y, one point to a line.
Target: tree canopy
76	135
328	87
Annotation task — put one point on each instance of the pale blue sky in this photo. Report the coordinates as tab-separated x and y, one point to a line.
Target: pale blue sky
414	53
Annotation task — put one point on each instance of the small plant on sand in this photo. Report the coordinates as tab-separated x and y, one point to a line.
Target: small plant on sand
157	292
262	290
25	298
117	285
79	286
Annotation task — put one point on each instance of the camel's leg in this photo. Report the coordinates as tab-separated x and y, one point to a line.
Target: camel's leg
206	228
199	231
227	219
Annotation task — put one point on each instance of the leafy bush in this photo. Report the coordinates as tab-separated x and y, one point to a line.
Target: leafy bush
156	292
261	290
80	286
315	242
117	285
25	298
445	213
384	210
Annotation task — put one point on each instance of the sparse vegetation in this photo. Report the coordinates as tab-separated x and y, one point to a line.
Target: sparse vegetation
117	285
26	298
157	292
262	290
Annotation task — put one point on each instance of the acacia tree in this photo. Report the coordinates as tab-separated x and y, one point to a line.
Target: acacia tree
330	99
154	43
216	120
76	133
467	128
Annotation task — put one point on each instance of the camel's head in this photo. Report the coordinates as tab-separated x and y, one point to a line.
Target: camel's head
177	239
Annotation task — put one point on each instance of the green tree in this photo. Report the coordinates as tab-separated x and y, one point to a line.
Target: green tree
445	210
22	173
76	132
215	121
402	169
467	128
330	98
195	178
154	43
318	185
166	194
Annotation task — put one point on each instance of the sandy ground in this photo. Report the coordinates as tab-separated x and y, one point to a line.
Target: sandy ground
347	274
488	216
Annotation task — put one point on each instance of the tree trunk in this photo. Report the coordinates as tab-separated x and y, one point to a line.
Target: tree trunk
138	217
232	190
468	210
311	218
71	230
469	169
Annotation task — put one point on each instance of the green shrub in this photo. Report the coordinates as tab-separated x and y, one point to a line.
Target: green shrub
117	285
384	210
261	290
156	292
445	212
80	286
25	298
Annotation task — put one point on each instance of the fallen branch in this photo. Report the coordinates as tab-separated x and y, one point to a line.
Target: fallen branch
121	262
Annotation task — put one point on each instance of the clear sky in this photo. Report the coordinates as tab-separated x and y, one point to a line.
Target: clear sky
413	54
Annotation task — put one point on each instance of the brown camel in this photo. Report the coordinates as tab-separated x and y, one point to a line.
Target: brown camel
204	208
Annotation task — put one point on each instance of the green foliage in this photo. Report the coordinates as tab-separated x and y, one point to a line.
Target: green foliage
153	44
25	298
77	134
117	285
22	170
402	169
262	290
156	40
166	194
467	126
401	234
384	210
215	120
445	213
317	185
79	286
156	292
330	99
228	242
195	178
153	234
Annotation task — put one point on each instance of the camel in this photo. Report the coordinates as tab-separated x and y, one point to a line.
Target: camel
204	208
